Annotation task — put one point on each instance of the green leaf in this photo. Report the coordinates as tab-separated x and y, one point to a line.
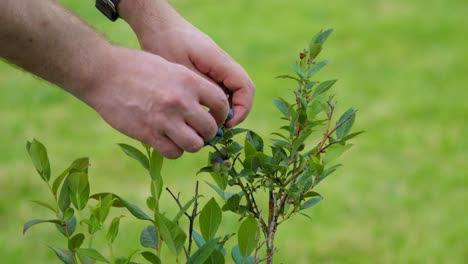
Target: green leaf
238	258
246	236
334	151
287	77
217	190
113	230
350	136
136	154
46	205
78	165
69	228
314	50
345	123
232	203
203	252
321	37
155	171
100	196
210	219
215	258
255	140
327	172
298	71
64	197
171	233
39	158
199	240
91	253
134	210
323	87
283	106
79	189
64	255
76	241
149	237
316	68
311	202
185	208
151	257
31	223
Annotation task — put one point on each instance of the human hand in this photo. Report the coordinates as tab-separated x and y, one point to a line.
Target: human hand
157	102
162	31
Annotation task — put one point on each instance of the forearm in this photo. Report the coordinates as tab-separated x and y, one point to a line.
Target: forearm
46	39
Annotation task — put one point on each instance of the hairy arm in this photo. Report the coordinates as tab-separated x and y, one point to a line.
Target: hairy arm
46	39
138	93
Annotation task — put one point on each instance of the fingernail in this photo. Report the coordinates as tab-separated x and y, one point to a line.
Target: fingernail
230	115
220	132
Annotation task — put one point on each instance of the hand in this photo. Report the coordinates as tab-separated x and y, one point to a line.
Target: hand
157	102
162	31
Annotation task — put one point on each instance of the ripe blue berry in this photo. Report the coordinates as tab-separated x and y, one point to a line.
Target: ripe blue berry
230	114
220	132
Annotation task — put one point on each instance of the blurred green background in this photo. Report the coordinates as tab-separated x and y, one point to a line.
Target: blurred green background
401	196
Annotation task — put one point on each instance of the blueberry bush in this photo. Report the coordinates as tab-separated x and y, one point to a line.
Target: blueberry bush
264	185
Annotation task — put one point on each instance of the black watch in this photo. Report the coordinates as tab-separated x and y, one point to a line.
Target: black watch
108	8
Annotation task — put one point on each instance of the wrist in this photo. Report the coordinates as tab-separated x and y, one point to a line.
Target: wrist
149	16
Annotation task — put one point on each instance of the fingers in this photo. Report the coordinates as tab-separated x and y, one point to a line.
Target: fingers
185	137
215	63
202	122
166	146
213	97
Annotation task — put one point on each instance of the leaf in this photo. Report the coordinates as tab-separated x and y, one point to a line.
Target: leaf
46	205
155	171
134	210
38	154
334	151
149	237
326	173
203	252
91	253
64	255
316	68
78	165
99	196
345	123
323	87
246	236
171	233
321	37
238	258
314	50
311	202
350	136
287	77
215	258
64	197
151	257
255	140
217	190
31	223
136	154
79	189
232	203
76	241
185	208
210	219
199	240
283	106
113	229
298	71
69	228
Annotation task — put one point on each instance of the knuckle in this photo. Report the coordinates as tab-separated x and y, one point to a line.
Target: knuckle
174	101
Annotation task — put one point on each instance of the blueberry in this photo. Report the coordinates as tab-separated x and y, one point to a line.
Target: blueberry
230	114
220	132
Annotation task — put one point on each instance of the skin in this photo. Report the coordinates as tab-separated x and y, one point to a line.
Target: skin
158	95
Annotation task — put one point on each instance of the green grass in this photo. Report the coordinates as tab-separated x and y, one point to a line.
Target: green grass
402	195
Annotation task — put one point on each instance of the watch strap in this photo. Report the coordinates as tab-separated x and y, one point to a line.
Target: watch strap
108	8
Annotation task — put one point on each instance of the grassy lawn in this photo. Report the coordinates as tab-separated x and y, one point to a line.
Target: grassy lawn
402	195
